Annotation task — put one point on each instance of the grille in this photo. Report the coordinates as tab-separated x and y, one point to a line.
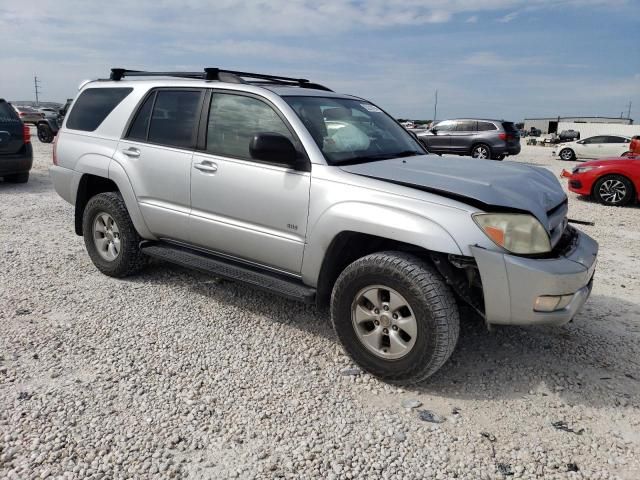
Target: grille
557	221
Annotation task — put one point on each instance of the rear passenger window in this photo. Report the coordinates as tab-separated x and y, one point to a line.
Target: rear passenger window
235	119
7	114
138	130
617	140
486	126
465	126
173	121
93	106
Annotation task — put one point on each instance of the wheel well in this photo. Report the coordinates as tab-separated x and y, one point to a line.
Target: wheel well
90	186
347	247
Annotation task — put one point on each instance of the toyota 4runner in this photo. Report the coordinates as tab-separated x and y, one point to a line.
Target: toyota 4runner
320	197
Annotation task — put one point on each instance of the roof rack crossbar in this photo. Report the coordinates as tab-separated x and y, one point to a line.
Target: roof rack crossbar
211	73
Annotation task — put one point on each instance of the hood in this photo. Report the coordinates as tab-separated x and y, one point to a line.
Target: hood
486	184
604	162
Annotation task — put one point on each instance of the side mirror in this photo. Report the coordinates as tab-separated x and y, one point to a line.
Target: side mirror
434	131
61	111
274	148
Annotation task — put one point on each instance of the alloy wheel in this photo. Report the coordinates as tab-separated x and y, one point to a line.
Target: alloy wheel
106	236
384	322
612	191
480	152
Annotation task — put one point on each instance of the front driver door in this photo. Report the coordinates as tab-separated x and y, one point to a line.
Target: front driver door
440	141
248	209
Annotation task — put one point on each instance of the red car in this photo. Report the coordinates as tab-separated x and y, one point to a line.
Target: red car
611	181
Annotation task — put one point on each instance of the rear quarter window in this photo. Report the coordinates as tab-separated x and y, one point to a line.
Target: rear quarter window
7	114
486	126
93	106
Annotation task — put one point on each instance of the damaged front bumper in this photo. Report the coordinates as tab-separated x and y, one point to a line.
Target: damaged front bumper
517	289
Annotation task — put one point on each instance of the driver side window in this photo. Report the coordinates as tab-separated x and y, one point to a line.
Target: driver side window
235	119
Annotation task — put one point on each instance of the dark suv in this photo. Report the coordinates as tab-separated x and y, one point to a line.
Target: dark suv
493	139
16	154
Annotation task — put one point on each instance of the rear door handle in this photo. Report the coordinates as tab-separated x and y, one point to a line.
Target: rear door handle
131	152
206	166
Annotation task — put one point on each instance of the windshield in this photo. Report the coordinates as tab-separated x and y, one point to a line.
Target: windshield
351	131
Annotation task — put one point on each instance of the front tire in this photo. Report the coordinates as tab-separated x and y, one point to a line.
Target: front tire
481	151
45	135
567	155
395	316
110	237
613	190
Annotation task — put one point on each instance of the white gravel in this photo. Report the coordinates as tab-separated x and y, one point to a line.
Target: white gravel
172	374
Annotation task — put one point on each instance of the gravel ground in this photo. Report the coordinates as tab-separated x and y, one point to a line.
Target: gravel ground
173	374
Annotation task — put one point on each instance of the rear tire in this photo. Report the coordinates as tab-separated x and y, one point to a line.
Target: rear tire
613	190
110	237
567	154
427	320
481	151
17	178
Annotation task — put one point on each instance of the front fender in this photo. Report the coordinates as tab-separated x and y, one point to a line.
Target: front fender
372	219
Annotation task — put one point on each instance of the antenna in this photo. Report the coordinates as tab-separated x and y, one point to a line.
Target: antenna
36	84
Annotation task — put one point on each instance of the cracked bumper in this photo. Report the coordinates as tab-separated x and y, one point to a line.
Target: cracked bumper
511	284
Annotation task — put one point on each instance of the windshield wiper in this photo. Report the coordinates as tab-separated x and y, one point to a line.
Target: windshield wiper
379	156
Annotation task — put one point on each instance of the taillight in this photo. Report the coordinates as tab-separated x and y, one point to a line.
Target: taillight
503	136
54	155
22	114
26	134
506	136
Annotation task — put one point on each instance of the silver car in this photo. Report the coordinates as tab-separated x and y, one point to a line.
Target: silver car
28	114
321	197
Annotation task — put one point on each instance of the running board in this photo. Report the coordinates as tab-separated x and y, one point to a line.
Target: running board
220	267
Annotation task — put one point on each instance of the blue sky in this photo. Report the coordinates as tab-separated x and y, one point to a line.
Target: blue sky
487	58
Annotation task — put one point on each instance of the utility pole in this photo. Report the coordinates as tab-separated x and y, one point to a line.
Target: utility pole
435	108
629	110
36	84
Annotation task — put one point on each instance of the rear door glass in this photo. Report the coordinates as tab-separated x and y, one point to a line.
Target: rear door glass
93	106
612	139
466	126
140	125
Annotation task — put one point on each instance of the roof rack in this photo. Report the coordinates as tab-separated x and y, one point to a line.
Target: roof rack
218	74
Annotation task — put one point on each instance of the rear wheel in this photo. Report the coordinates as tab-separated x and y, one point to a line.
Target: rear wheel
567	154
481	151
395	316
17	178
614	190
110	237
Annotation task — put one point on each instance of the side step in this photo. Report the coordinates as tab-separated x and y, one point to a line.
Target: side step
221	267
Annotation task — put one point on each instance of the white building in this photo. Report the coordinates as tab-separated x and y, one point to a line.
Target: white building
551	124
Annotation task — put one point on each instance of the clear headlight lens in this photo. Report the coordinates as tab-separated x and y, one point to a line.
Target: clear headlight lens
516	232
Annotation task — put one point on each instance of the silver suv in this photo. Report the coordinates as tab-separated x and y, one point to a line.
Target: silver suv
321	197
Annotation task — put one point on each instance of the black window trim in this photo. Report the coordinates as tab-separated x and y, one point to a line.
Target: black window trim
153	91
201	147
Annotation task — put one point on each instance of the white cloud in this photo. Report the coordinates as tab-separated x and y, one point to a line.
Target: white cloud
508	17
472	19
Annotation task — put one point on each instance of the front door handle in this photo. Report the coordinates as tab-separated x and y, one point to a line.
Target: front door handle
208	167
131	152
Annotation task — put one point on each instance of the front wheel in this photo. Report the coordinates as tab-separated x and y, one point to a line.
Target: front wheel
567	155
395	316
614	190
45	135
110	237
481	151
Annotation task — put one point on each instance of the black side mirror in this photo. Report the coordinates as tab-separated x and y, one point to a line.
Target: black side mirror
61	111
434	131
274	148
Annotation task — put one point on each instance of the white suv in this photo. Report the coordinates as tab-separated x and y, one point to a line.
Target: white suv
320	197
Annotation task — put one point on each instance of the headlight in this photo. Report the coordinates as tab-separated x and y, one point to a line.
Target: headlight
583	169
516	232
